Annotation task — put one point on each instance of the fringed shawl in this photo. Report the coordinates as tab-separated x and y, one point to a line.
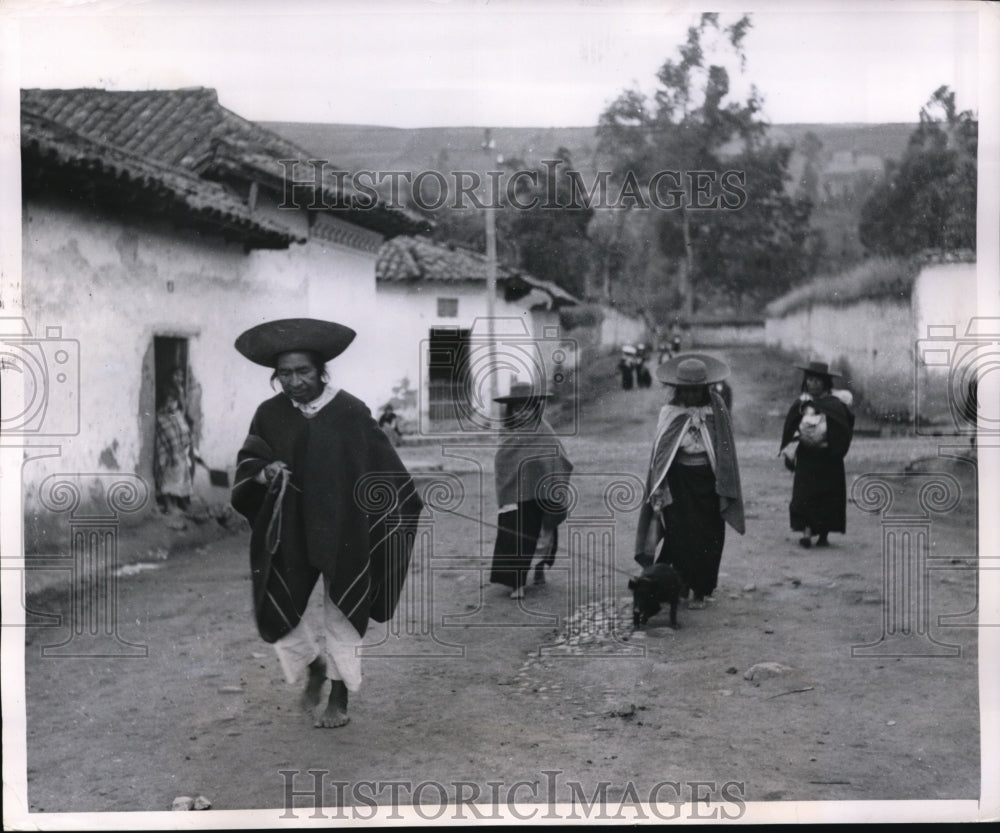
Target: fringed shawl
717	433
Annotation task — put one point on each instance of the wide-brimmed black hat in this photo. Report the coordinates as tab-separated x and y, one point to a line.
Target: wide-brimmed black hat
818	369
265	342
522	392
692	369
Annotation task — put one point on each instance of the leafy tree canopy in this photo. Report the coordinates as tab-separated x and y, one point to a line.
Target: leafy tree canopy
928	201
694	122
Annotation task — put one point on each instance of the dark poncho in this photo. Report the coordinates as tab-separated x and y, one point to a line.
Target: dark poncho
819	490
532	472
348	511
532	466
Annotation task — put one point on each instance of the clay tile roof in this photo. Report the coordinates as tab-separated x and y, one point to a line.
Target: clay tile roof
184	131
417	258
45	143
174	127
410	259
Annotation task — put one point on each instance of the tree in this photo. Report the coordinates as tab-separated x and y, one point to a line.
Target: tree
928	201
549	224
694	124
541	227
765	248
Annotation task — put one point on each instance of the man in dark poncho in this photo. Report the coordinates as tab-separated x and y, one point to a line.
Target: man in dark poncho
817	434
325	494
532	472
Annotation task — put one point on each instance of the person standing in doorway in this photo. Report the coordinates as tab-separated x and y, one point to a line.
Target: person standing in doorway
174	453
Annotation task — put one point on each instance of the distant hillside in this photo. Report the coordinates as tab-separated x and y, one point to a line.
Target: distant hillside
848	162
355	147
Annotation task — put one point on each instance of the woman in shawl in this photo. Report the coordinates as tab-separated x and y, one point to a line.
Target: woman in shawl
532	471
173	463
817	434
693	484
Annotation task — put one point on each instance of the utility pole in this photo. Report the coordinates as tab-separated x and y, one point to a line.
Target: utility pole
489	145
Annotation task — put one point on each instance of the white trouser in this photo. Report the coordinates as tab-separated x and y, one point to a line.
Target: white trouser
297	649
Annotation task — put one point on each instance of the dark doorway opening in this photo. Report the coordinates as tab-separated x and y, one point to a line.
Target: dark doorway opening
447	375
169	355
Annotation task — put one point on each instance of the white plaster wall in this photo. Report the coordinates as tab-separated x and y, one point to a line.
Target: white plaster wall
944	303
560	350
105	283
704	335
338	284
408	311
944	295
618	329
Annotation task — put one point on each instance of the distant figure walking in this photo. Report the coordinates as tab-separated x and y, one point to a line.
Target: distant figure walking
817	434
626	366
643	378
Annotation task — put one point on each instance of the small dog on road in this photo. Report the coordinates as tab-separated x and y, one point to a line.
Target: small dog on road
658	584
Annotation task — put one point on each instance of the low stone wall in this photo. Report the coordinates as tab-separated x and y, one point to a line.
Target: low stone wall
882	343
726	333
871	342
618	329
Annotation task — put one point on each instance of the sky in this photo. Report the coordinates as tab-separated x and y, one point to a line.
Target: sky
502	63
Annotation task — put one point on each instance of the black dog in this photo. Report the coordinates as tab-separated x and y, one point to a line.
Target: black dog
658	583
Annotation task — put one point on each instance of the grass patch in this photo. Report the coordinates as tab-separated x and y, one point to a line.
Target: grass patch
878	277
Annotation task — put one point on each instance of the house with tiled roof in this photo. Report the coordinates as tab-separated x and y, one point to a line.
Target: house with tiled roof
158	225
432	303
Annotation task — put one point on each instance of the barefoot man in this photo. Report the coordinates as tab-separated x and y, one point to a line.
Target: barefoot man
325	494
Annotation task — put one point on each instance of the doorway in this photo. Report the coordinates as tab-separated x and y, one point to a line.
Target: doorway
173	446
447	375
169	354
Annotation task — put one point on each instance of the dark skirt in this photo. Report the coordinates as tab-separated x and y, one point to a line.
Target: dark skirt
515	545
819	492
693	530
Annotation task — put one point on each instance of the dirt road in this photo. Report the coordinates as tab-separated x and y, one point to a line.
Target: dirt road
759	697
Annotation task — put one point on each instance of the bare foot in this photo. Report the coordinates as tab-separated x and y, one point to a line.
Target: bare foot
517	593
335	714
314	685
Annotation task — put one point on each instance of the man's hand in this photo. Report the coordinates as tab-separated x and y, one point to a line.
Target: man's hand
270	471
